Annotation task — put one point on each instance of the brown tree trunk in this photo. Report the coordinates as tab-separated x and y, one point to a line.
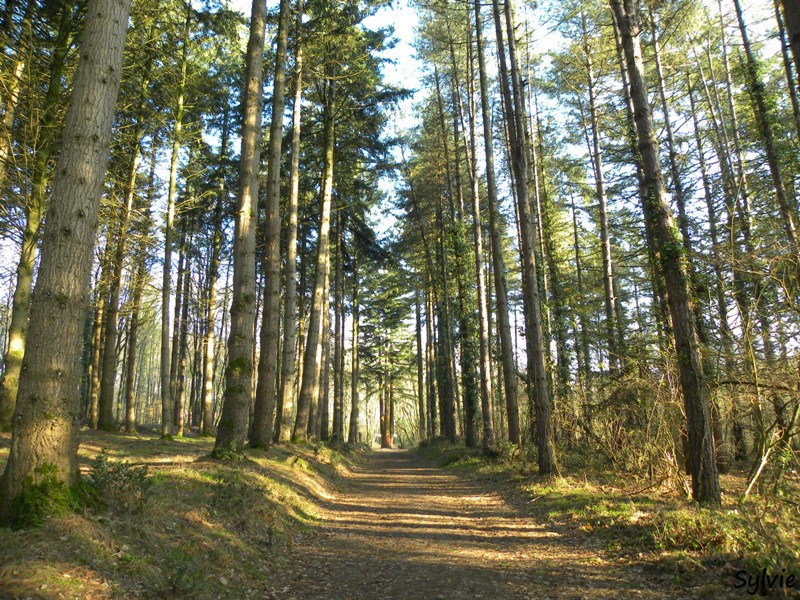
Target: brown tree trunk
498	261
133	334
289	353
431	378
756	87
12	87
541	421
705	479
166	390
791	13
352	434
471	151
183	336
312	357
267	388
337	426
44	426
232	429
602	201
34	211
209	341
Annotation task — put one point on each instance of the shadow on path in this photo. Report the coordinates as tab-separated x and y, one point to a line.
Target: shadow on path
402	528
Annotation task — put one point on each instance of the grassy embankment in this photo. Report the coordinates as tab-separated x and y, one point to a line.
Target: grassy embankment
169	522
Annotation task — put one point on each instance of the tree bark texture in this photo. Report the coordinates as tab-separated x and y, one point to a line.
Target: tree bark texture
232	429
44	425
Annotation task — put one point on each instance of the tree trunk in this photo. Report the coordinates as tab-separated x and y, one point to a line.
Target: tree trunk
705	479
541	425
420	370
109	362
12	88
791	78
337	429
44	425
267	388
183	335
431	377
498	261
209	341
791	13
352	434
756	88
471	151
133	334
288	358
312	357
166	394
722	437
602	209
232	429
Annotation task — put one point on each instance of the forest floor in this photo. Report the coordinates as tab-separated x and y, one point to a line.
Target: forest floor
303	522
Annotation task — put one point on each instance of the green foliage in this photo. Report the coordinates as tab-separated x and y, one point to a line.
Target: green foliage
120	485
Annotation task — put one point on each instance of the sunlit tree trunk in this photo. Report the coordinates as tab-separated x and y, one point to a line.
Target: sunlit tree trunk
34	212
352	434
267	387
471	151
312	358
141	276
232	429
288	358
541	420
209	338
44	426
421	426
431	378
169	225
183	338
337	426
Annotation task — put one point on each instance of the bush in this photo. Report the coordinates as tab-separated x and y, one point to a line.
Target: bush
120	484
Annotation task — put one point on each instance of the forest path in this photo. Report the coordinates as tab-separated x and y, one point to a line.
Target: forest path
403	528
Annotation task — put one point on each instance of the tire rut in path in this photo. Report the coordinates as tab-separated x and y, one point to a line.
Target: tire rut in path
402	528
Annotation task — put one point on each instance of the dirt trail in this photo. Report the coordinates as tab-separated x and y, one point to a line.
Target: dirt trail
405	529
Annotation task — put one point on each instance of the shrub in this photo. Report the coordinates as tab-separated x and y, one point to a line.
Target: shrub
120	484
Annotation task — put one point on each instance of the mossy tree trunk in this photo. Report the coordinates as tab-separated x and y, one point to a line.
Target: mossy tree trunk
669	250
232	430
267	387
